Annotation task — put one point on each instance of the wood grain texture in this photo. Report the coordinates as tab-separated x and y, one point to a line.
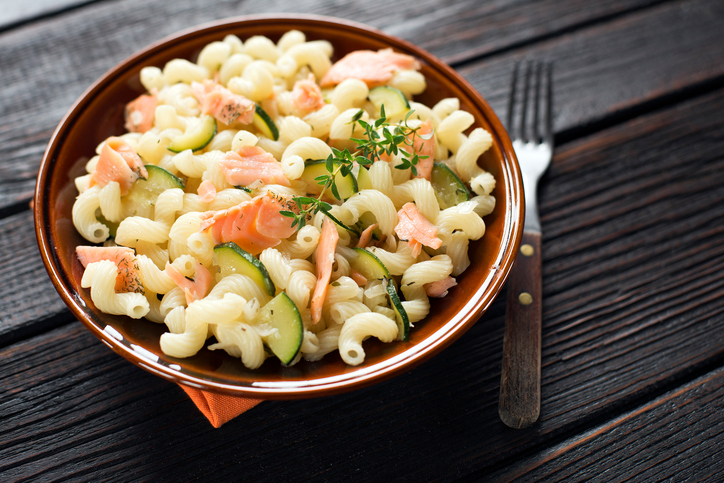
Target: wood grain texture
28	300
88	414
519	403
676	437
629	307
14	13
70	52
633	273
616	66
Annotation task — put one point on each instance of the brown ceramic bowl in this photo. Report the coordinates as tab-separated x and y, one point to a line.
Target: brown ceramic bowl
99	114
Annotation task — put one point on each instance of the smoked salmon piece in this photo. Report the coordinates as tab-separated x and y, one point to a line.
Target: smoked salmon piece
415	229
118	162
358	278
206	191
306	95
127	279
223	104
270	222
366	235
140	113
195	289
374	68
424	145
325	259
254	225
251	163
439	289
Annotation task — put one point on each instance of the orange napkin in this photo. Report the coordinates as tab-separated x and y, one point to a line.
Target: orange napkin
218	408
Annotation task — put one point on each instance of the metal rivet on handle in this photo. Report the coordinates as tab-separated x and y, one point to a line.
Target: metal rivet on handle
527	250
525	298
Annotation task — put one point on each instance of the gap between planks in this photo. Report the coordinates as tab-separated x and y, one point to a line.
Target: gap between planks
476	55
550	453
39	10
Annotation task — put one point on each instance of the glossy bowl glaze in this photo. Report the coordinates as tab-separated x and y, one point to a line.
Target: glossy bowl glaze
99	114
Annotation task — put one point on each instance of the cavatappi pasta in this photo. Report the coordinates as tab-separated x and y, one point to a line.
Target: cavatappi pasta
189	203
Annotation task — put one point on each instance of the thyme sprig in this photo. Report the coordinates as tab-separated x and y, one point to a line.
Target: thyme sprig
380	138
307	206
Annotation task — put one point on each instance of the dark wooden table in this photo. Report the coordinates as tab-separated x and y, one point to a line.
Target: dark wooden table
633	269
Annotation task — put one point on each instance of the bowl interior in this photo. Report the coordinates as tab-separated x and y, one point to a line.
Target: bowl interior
99	114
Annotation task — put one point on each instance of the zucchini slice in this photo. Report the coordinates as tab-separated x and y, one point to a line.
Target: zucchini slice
449	189
263	122
364	182
403	321
346	185
369	265
230	258
393	99
281	314
373	269
197	137
143	194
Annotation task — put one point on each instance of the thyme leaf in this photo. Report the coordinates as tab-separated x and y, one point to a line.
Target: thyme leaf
380	139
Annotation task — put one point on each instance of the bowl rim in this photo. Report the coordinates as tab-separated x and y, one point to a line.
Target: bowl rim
364	376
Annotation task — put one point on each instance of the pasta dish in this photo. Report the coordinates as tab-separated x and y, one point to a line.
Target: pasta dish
280	204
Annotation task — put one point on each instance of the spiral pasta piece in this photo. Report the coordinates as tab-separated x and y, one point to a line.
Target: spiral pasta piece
101	278
467	156
376	203
241	340
84	216
187	341
357	328
422	193
110	202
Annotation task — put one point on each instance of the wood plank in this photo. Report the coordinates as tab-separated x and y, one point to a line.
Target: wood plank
14	13
70	52
618	66
639	203
610	338
677	437
28	301
460	31
84	412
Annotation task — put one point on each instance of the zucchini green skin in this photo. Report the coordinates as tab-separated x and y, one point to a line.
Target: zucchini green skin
143	194
282	314
449	188
264	123
346	185
393	99
196	138
372	268
230	258
369	265
403	321
364	182
354	231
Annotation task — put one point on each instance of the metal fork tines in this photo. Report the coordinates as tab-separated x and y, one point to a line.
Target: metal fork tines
533	146
532	136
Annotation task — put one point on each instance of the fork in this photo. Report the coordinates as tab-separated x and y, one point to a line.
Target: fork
519	403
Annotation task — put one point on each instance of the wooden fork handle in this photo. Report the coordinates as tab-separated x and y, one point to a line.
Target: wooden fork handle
519	404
